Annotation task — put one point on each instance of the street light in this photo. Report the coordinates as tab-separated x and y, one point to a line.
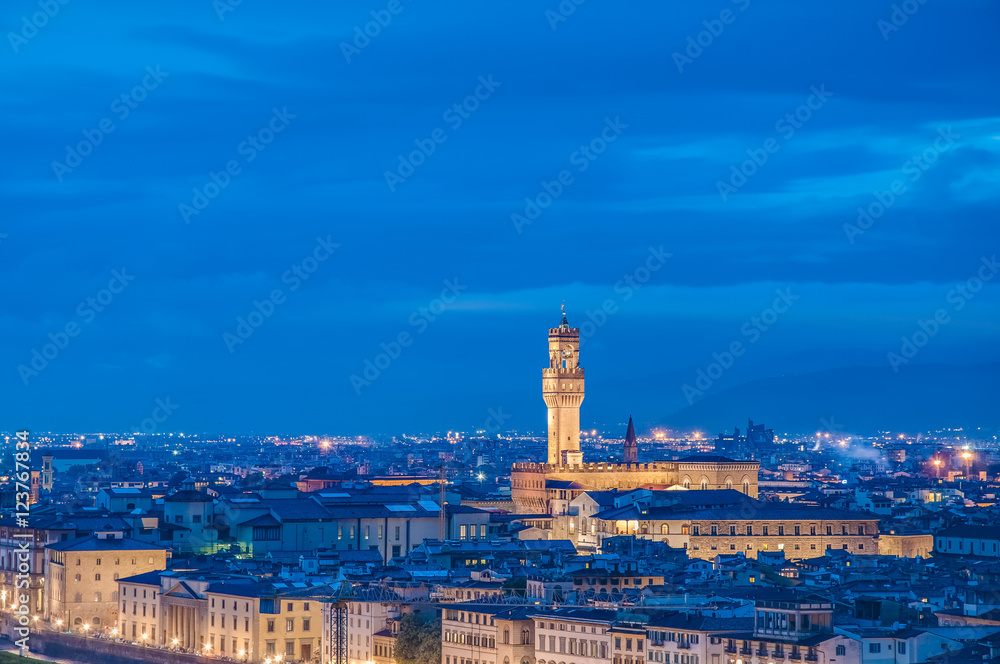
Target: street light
937	468
968	464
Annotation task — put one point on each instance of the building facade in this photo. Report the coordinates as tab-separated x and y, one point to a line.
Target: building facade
81	578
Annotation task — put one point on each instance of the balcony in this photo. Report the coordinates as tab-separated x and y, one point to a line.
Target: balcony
778	654
731	650
795	656
812	658
761	652
683	645
746	651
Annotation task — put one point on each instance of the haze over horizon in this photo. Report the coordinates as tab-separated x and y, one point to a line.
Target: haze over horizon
598	163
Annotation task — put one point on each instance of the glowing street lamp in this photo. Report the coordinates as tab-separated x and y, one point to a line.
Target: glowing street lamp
937	468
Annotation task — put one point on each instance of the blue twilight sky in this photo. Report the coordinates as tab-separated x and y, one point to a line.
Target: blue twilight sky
636	117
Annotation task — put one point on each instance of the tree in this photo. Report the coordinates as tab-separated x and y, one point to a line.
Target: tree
418	641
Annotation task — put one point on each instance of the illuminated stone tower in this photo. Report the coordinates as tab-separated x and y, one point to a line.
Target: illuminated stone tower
562	389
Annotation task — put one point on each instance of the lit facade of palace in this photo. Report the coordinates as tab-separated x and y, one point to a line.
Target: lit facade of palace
538	488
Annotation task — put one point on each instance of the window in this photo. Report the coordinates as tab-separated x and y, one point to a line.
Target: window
714	530
196	518
874	647
901	647
368	532
781	531
98	561
291	606
78	577
694	530
179	518
749	530
270	625
732	530
306	624
796	530
861	530
289	624
764	530
97	577
397	533
461	532
841	651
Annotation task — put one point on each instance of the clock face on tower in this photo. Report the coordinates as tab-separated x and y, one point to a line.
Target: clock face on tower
567	352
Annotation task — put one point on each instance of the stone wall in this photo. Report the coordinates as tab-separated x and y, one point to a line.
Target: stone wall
105	651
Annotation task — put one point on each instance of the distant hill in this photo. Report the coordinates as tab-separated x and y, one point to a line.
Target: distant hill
855	400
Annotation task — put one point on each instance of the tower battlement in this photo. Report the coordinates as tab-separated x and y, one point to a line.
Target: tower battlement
576	372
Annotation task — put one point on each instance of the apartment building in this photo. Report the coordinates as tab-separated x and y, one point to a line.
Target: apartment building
473	633
82	574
